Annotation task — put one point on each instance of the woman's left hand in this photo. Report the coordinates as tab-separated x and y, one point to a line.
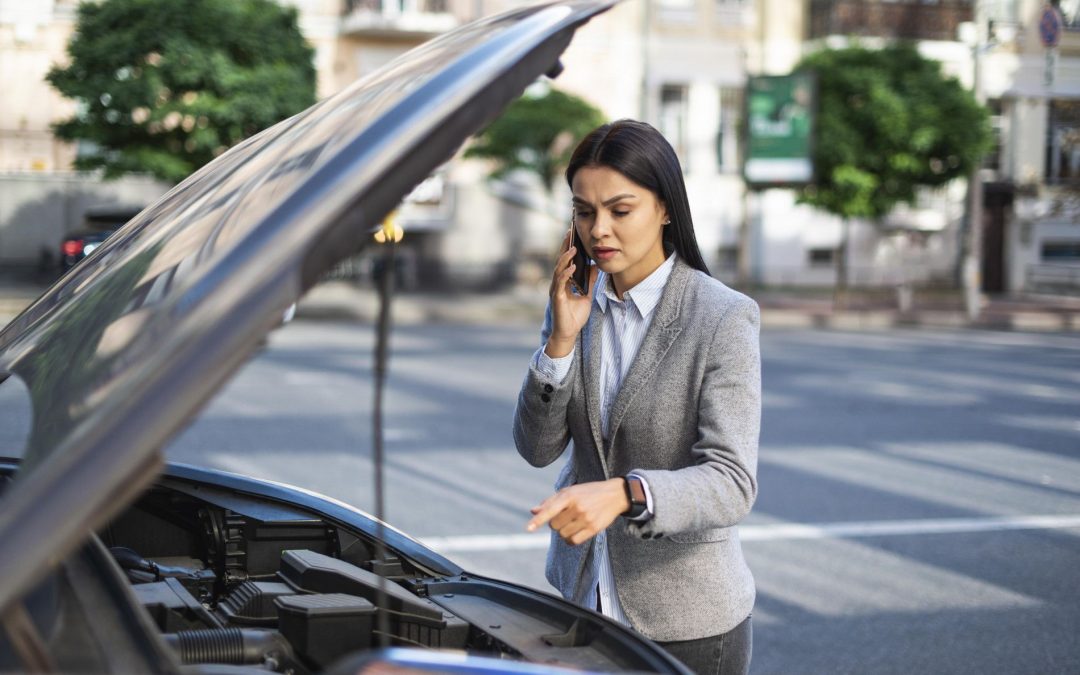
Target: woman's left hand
579	512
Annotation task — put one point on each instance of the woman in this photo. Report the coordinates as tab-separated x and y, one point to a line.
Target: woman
654	374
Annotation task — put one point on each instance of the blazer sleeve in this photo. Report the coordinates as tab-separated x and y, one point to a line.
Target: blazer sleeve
720	487
541	433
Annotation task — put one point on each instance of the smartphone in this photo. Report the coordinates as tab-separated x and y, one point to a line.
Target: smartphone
581	262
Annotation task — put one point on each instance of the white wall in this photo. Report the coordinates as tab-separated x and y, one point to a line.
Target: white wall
37	210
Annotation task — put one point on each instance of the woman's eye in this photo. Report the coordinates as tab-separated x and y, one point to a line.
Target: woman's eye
620	214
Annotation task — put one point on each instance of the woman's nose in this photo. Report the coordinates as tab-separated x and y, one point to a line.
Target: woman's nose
601	226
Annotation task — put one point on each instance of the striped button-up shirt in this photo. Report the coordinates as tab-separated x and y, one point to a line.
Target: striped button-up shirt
625	324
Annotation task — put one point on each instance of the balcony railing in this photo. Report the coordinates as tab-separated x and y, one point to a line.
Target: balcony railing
906	19
396	6
397	16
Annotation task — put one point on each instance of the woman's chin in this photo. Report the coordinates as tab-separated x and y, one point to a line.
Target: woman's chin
608	267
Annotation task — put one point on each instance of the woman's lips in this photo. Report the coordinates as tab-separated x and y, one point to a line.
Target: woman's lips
604	253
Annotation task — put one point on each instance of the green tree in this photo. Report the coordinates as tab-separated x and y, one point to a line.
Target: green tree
163	86
889	122
537	133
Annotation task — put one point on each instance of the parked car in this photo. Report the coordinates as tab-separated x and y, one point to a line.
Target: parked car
97	225
114	560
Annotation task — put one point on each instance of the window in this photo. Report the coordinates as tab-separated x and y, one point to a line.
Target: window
1061	251
677	10
727	133
1063	142
821	257
673	114
733	11
997	127
1001	11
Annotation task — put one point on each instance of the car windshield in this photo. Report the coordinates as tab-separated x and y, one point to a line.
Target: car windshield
15	416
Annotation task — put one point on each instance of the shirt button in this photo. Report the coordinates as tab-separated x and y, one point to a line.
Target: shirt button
548	388
545	398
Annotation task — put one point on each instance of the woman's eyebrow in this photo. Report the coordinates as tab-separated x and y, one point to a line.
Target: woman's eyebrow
606	202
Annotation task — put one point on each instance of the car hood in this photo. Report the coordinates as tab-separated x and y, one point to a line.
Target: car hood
123	351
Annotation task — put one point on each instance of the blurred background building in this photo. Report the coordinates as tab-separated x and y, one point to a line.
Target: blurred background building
682	65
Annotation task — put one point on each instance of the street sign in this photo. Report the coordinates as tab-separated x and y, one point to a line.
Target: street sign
1050	23
780	116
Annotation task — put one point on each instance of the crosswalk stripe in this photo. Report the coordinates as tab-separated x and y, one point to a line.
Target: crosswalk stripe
790	531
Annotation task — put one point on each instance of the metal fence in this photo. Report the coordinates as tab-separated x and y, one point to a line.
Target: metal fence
1054	278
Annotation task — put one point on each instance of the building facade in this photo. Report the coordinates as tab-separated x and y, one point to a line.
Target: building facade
682	65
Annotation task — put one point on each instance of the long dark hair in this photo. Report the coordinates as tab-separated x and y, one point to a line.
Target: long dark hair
642	154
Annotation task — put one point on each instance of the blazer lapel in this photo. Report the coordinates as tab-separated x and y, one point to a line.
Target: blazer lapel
658	338
594	335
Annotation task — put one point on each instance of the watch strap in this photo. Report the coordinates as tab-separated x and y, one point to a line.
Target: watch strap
635	494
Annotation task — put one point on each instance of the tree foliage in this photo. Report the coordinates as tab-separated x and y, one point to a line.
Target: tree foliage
163	86
889	122
537	133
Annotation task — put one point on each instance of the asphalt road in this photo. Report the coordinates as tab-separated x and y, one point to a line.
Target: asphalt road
919	505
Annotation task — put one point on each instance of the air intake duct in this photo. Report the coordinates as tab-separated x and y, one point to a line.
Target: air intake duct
234	646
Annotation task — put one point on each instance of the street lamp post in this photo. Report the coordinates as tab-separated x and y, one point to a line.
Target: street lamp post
971	268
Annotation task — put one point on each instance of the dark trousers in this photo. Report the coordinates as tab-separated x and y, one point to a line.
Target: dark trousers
724	654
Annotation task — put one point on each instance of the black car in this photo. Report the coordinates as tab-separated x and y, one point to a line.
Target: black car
113	560
98	224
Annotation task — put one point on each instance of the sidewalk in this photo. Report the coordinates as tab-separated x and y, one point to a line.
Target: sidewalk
779	309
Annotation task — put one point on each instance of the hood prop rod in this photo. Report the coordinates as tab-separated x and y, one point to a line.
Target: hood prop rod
382	340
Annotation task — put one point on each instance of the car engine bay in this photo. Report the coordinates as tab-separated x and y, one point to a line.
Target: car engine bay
239	580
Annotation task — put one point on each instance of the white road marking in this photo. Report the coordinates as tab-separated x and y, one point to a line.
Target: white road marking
787	532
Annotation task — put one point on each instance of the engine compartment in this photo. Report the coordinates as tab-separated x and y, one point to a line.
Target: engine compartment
232	580
217	573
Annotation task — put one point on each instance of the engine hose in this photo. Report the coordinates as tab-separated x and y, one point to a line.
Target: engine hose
234	646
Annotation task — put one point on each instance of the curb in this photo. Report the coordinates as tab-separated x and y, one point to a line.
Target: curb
1029	321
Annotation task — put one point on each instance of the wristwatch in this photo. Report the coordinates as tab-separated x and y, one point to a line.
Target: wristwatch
635	494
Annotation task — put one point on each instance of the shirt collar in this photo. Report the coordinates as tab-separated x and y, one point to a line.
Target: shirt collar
643	296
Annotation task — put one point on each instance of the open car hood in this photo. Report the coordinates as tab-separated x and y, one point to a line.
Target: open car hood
123	351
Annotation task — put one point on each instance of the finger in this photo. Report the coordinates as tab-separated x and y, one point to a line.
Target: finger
561	264
564	518
545	514
576	532
542	505
563	282
566	257
570	526
581	536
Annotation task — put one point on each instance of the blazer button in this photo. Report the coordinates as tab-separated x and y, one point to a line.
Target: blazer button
545	398
548	388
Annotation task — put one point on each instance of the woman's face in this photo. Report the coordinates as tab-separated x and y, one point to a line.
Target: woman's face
621	224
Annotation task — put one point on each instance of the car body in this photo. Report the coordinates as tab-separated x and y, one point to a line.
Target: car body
98	224
116	561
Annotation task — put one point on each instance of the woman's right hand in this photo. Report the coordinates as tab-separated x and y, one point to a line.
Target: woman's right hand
569	311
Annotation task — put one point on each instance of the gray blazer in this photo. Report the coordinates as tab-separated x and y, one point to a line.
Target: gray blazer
687	419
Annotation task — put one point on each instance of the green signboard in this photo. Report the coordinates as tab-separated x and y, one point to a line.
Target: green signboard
780	123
